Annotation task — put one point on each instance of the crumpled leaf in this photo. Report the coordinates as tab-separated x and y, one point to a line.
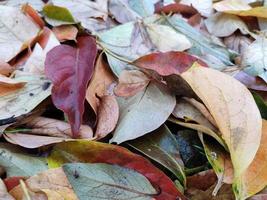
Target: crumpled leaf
254	179
131	82
174	42
96	152
234	111
161	146
223	25
254	59
168	63
70	70
107	116
36	89
19	163
103	181
143	113
52	183
14	36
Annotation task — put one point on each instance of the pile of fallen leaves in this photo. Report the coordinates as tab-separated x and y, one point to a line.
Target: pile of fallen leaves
178	88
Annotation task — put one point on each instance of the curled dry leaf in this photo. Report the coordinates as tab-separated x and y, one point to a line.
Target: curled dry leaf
168	63
177	8
130	83
202	6
107	116
8	85
51	183
100	82
70	70
96	152
234	110
5	68
65	32
254	179
14	36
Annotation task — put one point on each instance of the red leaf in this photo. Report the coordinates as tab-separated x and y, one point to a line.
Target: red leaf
165	64
12	182
97	152
70	70
176	8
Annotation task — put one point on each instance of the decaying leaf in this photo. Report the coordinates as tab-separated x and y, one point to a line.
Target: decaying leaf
70	70
234	111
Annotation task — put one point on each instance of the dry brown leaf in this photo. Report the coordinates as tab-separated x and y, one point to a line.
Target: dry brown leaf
234	110
51	182
99	83
8	85
5	68
65	32
107	116
130	83
202	180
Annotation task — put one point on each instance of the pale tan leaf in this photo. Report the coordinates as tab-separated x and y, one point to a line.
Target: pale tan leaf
234	110
231	5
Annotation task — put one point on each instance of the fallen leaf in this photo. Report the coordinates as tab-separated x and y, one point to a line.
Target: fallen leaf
19	163
36	89
8	85
65	32
32	141
237	42
36	4
254	60
261	105
202	45
162	147
107	116
251	82
96	152
183	8
14	37
130	83
259	196
52	181
100	82
204	7
13	181
223	25
31	12
202	180
234	111
168	63
103	181
70	70
174	42
254	179
143	113
4	195
5	68
220	161
231	5
187	111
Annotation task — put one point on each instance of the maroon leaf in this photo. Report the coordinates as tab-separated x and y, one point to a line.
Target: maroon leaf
176	8
165	64
70	69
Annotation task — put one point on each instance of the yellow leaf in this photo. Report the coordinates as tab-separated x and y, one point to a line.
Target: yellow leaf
234	110
253	12
254	178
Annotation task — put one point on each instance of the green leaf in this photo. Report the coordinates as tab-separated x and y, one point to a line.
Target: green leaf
162	147
261	105
18	163
143	113
58	13
103	181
